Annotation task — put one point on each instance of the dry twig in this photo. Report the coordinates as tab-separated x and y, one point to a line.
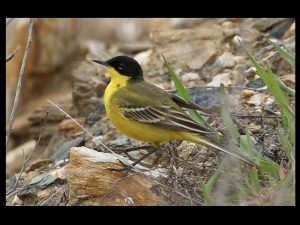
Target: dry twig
16	101
8	58
95	140
29	157
256	116
61	189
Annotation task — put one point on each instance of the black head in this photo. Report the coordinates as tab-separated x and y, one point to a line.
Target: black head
124	65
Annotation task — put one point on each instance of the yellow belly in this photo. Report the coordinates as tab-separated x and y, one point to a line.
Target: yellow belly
134	129
141	131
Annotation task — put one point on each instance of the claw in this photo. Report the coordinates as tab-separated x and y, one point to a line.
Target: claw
126	167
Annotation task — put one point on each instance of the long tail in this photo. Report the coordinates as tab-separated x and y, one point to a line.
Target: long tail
203	140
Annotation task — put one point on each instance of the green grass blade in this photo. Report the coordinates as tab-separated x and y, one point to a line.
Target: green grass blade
184	94
208	201
272	84
284	87
287	146
227	118
290	57
253	179
269	167
276	91
207	187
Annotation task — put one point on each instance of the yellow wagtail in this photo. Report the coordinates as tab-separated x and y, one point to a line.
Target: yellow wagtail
148	113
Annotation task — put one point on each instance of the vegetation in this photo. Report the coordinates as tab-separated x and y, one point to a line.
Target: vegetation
268	182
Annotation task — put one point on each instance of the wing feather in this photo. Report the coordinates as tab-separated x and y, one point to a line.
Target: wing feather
164	116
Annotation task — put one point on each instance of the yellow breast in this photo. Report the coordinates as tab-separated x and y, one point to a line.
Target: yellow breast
134	129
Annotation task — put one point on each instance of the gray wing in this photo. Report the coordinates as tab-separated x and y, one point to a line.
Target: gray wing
164	116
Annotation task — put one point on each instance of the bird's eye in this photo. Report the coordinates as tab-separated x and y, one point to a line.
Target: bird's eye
121	66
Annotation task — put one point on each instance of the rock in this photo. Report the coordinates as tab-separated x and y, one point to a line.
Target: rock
63	151
14	158
38	164
220	78
254	128
290	32
69	124
247	93
53	44
88	87
121	141
31	193
289	80
248	35
208	164
59	173
264	24
227	24
255	100
256	83
239	59
44	180
186	149
149	161
143	58
189	76
91	183
206	97
289	44
279	29
44	193
93	49
17	201
259	99
134	47
226	60
187	49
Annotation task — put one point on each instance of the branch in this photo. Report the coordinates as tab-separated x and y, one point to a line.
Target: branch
95	140
13	112
256	116
29	157
8	58
61	189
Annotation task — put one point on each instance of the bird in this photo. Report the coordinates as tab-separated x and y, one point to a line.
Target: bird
148	113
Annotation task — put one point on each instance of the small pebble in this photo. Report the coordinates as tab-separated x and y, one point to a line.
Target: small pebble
17	201
220	78
226	60
129	200
247	93
227	24
189	76
254	128
239	59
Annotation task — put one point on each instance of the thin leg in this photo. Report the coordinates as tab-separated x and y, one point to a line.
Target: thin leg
128	167
124	150
144	156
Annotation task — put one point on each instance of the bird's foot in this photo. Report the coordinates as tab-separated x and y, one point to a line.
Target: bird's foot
126	168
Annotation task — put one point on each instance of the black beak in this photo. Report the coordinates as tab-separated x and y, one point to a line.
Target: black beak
101	62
